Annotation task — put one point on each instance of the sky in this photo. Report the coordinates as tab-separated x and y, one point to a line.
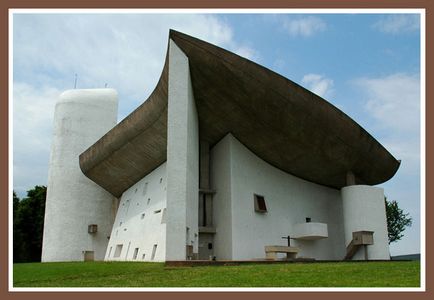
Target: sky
367	65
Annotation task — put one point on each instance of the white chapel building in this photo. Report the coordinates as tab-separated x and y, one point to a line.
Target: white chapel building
223	161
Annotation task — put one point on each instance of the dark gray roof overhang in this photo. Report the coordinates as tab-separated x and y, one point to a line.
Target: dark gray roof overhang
281	122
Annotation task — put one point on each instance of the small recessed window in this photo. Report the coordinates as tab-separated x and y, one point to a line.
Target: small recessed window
308	220
145	188
118	250
149	201
143	216
260	205
163	217
157	211
154	251
136	251
161	180
209	246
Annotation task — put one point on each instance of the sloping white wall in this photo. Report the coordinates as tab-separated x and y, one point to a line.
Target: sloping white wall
81	117
182	159
139	220
289	201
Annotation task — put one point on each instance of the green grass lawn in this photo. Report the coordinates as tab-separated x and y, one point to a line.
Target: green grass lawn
134	274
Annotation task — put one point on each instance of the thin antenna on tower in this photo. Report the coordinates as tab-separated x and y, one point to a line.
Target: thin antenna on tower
75	81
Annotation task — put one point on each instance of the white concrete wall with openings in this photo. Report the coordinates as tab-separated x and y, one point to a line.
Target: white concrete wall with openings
73	201
364	209
182	159
140	222
289	201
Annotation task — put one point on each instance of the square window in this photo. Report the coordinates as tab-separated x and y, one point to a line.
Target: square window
260	205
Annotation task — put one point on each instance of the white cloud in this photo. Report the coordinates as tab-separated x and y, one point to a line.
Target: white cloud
126	51
393	102
304	26
247	52
395	24
33	109
318	84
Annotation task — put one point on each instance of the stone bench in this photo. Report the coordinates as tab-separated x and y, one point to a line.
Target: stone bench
271	252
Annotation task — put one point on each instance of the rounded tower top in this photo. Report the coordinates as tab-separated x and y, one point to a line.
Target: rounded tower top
88	95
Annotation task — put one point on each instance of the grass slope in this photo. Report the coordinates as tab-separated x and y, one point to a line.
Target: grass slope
133	274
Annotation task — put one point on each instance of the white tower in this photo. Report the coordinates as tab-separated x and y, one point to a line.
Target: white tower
73	201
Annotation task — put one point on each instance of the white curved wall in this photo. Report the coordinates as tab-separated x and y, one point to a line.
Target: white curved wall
241	233
73	201
364	209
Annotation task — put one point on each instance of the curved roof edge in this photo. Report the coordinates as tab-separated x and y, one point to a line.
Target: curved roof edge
281	122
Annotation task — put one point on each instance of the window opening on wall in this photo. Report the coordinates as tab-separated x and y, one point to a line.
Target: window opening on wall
143	256
157	211
209	246
128	207
204	221
145	188
161	180
308	220
149	201
128	250
142	216
136	251
135	191
154	250
118	250
163	217
260	205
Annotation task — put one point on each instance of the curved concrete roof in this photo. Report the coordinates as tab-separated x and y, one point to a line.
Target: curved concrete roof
281	122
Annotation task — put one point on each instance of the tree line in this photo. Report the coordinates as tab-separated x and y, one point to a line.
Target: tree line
28	225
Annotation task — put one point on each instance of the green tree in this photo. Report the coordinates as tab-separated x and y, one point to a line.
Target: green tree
397	221
18	239
29	224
